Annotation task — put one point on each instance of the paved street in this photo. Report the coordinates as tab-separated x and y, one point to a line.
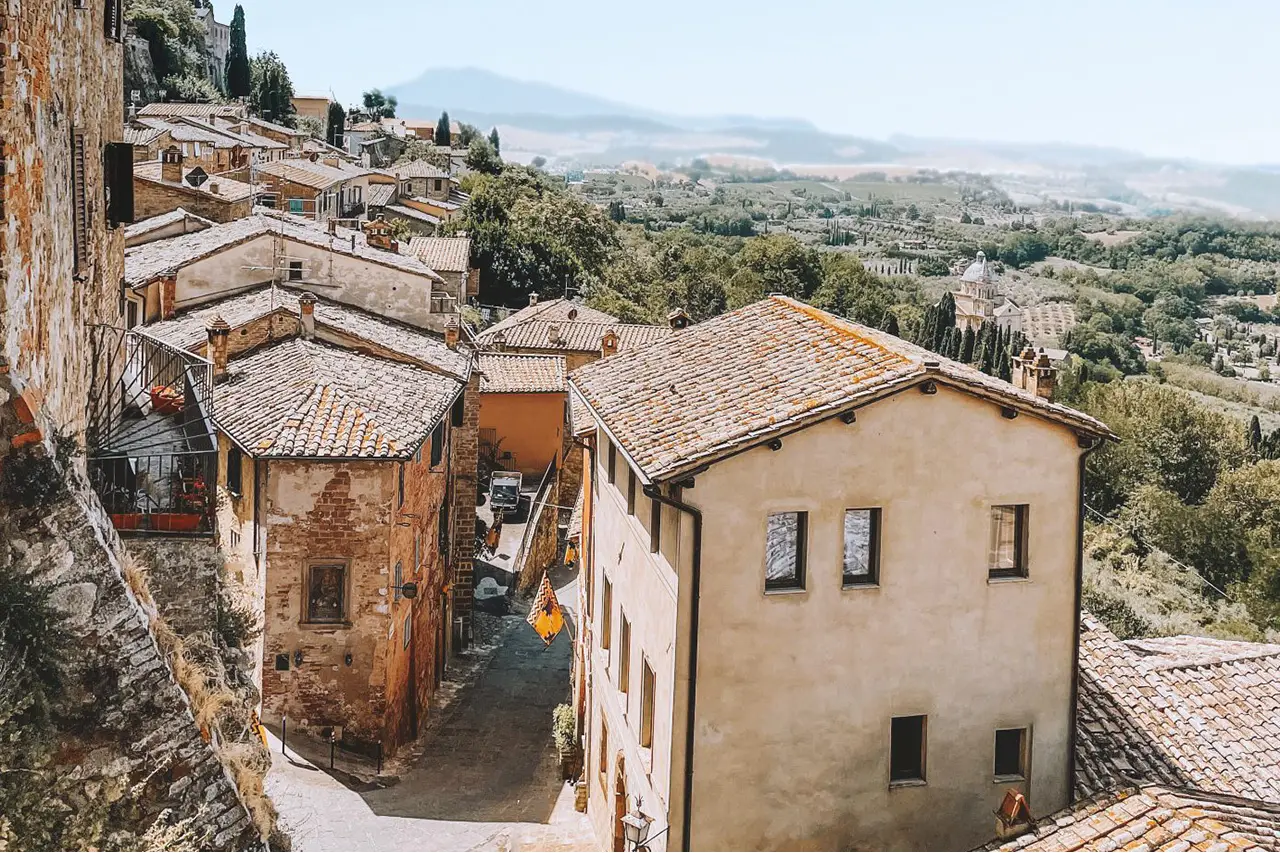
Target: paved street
487	777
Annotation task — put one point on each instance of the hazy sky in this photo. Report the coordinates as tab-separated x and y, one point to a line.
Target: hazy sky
1165	77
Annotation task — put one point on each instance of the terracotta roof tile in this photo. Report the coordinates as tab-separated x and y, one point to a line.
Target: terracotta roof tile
511	373
419	169
229	190
733	380
305	399
302	171
442	254
559	310
161	109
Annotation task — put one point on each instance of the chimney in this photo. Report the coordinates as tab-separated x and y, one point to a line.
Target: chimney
554	333
168	296
171	165
307	315
331	162
533	298
1022	367
213	187
678	319
452	332
499	340
219	332
1013	818
1042	376
608	344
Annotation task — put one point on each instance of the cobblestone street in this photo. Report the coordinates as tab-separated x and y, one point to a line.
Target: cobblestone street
486	776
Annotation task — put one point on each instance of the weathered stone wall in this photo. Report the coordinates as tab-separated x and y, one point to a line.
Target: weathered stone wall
58	74
465	449
184	580
152	199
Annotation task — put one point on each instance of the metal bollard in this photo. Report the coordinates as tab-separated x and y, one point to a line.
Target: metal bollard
379	756
331	747
284	733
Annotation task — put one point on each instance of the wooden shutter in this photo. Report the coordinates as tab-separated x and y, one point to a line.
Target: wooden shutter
113	19
118	171
79	203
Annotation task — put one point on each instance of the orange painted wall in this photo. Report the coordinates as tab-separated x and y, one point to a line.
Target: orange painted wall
529	426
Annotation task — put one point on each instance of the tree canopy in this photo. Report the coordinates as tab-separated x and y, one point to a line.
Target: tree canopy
239	77
271	95
379	105
443	135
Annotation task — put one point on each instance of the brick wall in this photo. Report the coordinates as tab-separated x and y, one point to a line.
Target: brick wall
465	448
151	198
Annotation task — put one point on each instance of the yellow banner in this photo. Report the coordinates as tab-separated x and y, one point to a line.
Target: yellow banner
546	616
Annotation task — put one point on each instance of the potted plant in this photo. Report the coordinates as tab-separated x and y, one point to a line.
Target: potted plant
564	730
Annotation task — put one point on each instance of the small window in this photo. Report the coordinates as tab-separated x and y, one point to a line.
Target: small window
117	173
1011	753
613	463
606	613
235	470
295	270
417	550
624	656
655	526
437	444
906	749
400	485
631	491
647	684
113	19
326	592
186	150
197	146
861	547
457	413
399	580
1008	556
604	753
296	205
131	314
785	536
408	627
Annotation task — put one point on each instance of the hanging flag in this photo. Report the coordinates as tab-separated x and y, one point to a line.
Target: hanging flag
545	616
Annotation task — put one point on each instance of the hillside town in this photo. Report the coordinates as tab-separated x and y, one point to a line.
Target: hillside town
330	521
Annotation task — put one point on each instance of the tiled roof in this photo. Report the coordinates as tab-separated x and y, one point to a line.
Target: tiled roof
442	254
228	190
778	364
1153	817
1183	711
413	213
305	399
559	310
145	263
134	135
447	206
278	128
419	169
311	145
183	132
511	373
380	195
246	140
302	171
146	226
189	329
197	110
574	336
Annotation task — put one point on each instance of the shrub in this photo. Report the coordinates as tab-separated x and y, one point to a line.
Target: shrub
563	727
30	479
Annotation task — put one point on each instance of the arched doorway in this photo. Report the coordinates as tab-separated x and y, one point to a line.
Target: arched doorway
619	804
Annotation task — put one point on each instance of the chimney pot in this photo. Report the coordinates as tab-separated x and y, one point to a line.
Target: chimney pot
452	333
219	333
171	165
608	343
554	333
679	319
213	187
533	298
307	315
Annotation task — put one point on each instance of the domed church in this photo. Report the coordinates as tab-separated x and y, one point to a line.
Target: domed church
978	301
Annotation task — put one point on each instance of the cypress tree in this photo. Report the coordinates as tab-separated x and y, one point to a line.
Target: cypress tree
967	344
442	137
1255	435
890	324
1084	372
495	141
238	77
1006	367
337	125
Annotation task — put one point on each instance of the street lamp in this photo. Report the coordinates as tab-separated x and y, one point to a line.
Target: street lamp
635	826
408	590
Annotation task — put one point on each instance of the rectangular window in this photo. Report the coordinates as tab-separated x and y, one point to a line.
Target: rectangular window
655	526
295	270
113	19
861	547
604	753
408	627
117	170
400	485
906	749
295	205
1008	556
1011	753
457	413
417	550
326	592
197	146
624	655
186	150
606	613
131	314
647	684
437	444
442	529
235	471
785	536
399	580
613	463
631	491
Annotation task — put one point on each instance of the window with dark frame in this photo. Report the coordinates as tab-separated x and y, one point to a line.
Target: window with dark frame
604	753
613	462
400	485
113	19
655	526
861	547
295	270
117	172
437	444
235	471
1008	551
907	749
631	491
326	592
785	535
647	685
399	580
624	655
457	413
606	613
1011	753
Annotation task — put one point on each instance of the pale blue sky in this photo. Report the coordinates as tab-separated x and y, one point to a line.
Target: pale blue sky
1165	77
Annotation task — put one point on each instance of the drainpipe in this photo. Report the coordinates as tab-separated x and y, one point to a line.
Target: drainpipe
1089	447
695	585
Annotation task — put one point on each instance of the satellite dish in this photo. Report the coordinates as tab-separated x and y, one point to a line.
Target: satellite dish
197	176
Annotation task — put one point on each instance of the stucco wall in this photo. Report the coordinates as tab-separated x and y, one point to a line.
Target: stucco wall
796	691
529	426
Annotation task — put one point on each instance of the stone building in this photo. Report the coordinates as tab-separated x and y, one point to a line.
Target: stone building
317	189
522	410
125	752
165	185
978	300
800	631
563	327
217	44
449	258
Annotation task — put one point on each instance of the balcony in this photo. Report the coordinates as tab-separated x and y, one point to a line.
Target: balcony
153	454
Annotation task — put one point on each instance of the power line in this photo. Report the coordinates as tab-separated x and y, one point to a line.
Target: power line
1115	525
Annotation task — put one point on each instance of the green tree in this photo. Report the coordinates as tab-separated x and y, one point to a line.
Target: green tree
967	345
784	264
379	105
174	36
271	95
443	133
1255	435
482	158
239	77
495	141
336	130
890	323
